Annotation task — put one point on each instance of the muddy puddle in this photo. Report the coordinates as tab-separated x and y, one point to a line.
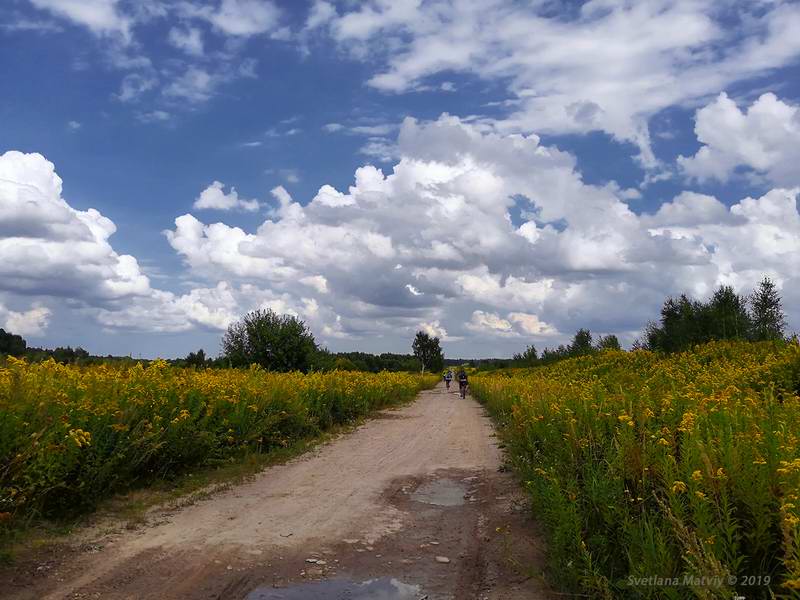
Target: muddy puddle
385	588
441	492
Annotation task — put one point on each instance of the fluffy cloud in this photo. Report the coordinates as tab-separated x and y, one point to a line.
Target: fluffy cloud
195	85
198	84
434	329
531	325
53	253
432	244
31	322
47	247
759	236
690	208
245	17
516	324
213	308
608	65
491	323
240	18
189	40
215	198
100	16
134	85
764	138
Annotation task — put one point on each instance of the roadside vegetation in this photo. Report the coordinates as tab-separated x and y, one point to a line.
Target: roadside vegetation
71	435
670	471
643	464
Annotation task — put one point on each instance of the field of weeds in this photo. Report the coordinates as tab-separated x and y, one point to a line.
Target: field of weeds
70	436
662	476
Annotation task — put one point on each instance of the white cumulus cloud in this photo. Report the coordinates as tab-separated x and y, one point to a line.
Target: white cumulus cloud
189	40
240	18
100	16
62	258
32	322
215	198
47	247
764	138
491	323
608	65
581	256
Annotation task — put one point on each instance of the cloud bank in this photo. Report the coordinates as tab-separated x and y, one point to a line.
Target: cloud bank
477	236
433	243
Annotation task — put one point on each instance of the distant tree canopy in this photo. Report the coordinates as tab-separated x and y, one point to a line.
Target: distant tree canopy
196	359
325	360
428	352
581	343
608	342
276	342
284	343
342	363
12	344
685	322
526	358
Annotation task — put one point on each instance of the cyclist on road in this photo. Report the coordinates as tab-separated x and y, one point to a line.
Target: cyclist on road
448	377
463	382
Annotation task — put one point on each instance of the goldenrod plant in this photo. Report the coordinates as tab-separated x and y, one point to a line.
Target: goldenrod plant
70	435
662	476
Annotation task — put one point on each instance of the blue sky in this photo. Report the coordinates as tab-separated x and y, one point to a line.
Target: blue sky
543	166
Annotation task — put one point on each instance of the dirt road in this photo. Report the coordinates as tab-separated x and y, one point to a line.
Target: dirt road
413	504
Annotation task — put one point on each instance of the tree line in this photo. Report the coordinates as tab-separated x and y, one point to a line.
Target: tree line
15	345
727	315
285	343
276	342
582	343
685	322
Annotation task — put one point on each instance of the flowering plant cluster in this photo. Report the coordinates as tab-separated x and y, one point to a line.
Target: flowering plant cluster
680	467
71	435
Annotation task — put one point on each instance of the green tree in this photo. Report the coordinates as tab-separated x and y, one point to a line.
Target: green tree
608	342
12	344
681	326
276	342
342	363
551	355
196	359
527	358
581	343
725	316
428	352
766	312
686	322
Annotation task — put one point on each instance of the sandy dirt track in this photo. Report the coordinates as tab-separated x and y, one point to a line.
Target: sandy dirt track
414	501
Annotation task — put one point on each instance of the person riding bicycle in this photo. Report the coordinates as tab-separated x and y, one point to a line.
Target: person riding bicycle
463	382
448	377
